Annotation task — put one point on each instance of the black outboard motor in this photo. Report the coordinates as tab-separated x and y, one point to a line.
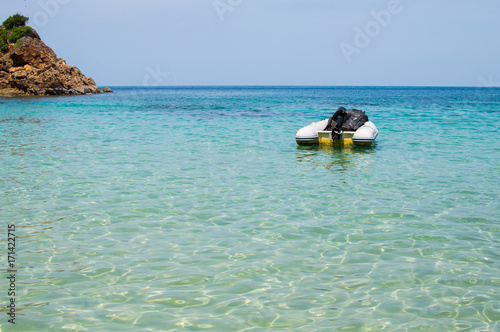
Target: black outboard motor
335	123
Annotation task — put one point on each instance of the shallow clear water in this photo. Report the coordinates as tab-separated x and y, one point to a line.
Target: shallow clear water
193	209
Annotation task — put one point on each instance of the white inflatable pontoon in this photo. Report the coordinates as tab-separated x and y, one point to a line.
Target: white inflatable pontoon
314	134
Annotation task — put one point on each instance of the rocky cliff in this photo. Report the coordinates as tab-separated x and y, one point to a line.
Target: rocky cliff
29	67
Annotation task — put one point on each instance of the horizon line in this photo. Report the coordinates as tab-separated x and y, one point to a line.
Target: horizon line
298	86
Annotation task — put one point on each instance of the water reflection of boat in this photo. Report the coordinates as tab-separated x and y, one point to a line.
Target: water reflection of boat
337	157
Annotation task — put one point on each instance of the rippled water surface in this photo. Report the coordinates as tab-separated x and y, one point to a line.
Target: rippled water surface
189	209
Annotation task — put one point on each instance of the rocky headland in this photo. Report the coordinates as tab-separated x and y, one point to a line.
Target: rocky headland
28	67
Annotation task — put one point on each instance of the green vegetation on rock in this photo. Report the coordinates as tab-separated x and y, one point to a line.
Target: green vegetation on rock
18	33
14	21
13	29
4	46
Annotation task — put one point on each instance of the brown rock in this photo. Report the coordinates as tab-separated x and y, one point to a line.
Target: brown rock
32	51
32	68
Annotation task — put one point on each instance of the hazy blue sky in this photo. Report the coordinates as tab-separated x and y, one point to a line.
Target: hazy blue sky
273	42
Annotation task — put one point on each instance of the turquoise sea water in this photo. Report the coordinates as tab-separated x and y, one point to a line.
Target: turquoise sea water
190	209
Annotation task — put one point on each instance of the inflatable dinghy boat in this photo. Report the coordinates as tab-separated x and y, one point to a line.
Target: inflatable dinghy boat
343	128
